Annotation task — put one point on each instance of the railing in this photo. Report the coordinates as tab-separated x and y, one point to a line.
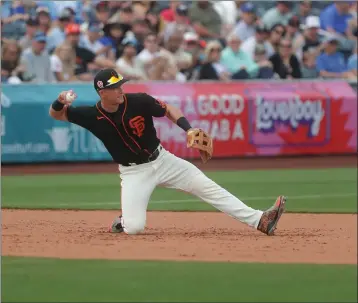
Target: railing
246	118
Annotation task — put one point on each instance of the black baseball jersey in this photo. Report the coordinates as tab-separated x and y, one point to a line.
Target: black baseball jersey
128	134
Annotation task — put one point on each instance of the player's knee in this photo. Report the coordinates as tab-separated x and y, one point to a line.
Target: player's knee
133	227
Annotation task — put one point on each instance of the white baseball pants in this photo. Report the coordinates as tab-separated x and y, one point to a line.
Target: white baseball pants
139	181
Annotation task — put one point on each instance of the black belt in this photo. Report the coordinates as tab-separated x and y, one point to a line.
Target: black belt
152	157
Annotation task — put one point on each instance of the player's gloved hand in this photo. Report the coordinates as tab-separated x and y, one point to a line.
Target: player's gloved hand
197	138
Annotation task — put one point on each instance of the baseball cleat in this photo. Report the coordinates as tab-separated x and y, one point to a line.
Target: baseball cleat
116	225
270	217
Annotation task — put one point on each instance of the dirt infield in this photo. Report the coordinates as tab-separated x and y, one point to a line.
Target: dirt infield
300	238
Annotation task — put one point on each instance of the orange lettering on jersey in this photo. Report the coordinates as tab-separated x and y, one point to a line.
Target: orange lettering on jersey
161	103
137	125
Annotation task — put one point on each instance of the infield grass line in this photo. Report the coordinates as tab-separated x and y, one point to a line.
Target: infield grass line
263	198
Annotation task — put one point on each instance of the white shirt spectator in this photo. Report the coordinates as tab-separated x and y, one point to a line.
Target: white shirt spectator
38	66
57	66
244	31
94	47
227	11
134	70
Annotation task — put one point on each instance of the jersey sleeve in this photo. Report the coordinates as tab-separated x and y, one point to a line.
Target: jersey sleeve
79	115
155	107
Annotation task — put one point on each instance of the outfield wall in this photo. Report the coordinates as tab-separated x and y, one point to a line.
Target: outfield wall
245	119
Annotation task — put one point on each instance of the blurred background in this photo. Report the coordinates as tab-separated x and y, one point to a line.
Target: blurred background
69	41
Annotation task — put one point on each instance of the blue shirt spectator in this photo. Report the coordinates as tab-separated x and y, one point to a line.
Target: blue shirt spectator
331	64
13	20
336	17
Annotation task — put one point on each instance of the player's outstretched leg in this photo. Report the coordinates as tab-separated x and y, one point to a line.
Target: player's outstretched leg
180	174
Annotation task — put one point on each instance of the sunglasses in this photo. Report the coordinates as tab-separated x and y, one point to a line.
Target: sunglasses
285	45
215	50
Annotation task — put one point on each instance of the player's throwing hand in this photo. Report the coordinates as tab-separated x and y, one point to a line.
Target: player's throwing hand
67	97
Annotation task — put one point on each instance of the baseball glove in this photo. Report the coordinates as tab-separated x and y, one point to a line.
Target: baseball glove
197	138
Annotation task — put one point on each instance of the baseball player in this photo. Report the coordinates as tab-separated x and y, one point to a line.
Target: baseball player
124	123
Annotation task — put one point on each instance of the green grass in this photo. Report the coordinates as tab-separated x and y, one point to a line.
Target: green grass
50	280
324	190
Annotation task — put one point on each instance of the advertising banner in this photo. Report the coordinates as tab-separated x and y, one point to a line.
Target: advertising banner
244	118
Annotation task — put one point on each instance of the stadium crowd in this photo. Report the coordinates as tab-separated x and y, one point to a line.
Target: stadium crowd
55	41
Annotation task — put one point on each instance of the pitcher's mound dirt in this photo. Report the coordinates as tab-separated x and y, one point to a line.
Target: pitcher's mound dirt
300	238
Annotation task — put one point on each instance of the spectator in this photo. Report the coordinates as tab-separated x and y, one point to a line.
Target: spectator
31	28
85	59
281	13
168	14
63	63
113	36
91	41
261	36
331	64
304	9
183	59
278	31
237	62
155	22
229	12
266	68
125	17
246	27
57	36
240	64
10	61
335	17
213	69
195	48
352	62
154	59
44	18
140	8
310	41
206	21
140	29
181	22
102	13
128	64
13	18
37	60
285	63
293	29
309	70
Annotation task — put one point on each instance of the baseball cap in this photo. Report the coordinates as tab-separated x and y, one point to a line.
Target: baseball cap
190	36
40	37
260	28
43	10
65	14
108	78
72	28
312	22
129	41
94	28
248	7
330	39
182	9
